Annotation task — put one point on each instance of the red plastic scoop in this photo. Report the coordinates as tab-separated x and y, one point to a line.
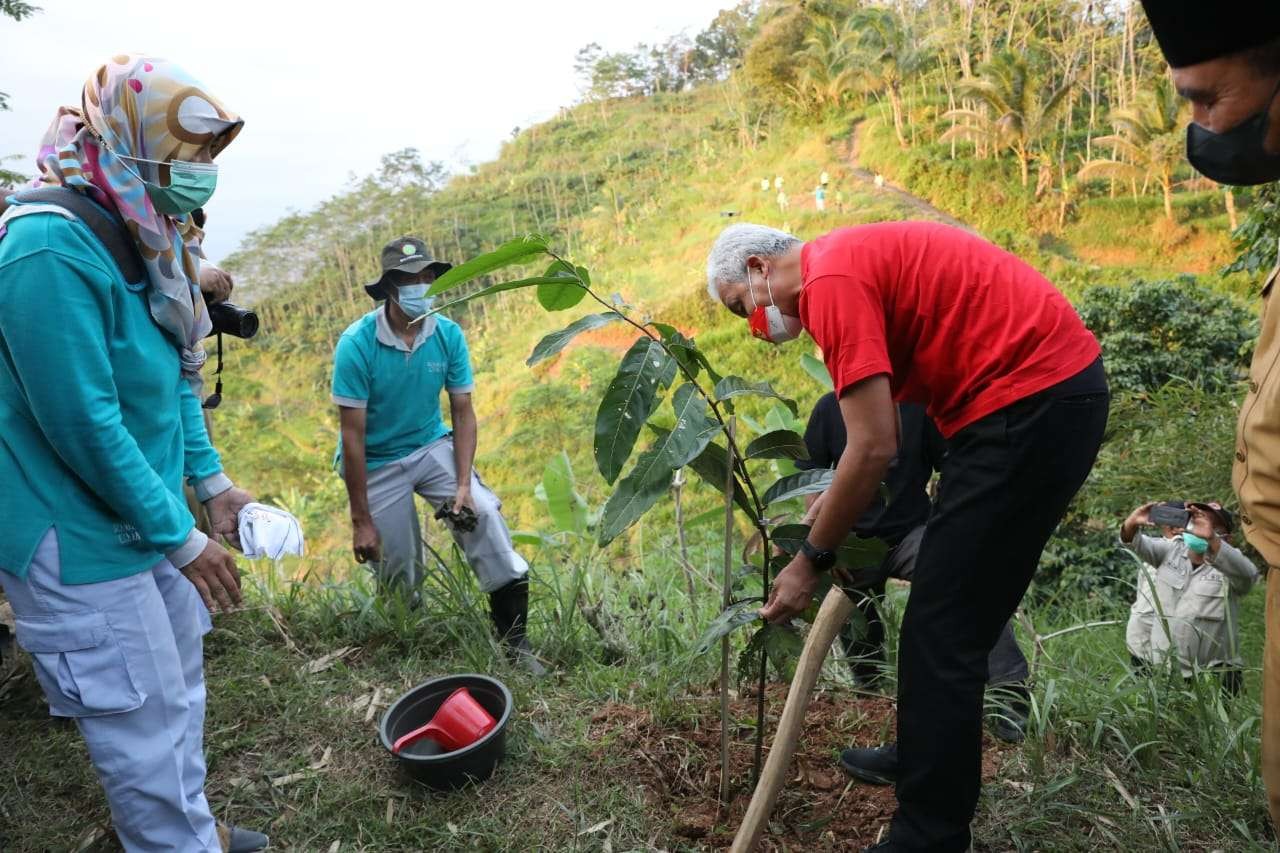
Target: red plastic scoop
460	722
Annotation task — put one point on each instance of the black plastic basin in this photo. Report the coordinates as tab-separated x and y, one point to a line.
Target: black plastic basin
423	761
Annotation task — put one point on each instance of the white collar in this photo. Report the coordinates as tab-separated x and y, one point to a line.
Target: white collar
387	335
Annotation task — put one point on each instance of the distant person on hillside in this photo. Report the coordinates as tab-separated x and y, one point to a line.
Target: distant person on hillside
389	370
879	181
1142	613
782	201
1199	580
898	519
777	182
926	313
110	582
1228	67
764	185
824	178
840	201
820	198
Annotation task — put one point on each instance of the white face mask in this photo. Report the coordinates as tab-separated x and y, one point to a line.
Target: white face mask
767	322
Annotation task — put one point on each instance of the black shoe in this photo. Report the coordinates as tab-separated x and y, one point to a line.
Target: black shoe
235	839
1009	717
874	765
1009	731
509	608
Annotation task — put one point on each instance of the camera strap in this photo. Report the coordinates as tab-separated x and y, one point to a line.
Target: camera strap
105	225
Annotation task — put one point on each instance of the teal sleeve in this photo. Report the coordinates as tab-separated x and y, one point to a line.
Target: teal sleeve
200	461
350	371
459	377
63	365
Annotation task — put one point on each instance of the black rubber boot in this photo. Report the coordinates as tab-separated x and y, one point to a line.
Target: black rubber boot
509	607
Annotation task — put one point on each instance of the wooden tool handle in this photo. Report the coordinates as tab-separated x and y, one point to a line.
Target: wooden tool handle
835	609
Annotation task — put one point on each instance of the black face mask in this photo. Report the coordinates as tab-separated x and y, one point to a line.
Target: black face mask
1238	156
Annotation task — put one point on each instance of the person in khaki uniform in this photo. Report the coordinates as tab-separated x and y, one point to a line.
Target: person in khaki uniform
1228	66
1199	580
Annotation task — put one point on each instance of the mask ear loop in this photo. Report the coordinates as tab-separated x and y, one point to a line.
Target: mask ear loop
215	399
750	292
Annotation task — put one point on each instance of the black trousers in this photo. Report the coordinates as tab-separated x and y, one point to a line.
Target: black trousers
1006	665
1006	483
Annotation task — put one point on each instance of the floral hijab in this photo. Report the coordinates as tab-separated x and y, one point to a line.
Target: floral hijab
148	108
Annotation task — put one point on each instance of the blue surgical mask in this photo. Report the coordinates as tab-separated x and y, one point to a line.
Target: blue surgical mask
191	185
413	299
1195	544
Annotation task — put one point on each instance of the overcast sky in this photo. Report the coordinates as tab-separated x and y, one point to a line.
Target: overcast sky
324	94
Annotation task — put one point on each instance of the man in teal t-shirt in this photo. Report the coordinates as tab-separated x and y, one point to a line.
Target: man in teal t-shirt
389	370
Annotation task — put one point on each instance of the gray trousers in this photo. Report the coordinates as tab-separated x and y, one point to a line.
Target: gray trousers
1006	663
125	659
432	473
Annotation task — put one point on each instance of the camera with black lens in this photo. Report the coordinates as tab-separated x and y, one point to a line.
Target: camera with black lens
230	319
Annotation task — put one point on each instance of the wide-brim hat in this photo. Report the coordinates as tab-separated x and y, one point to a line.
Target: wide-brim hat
1224	518
405	254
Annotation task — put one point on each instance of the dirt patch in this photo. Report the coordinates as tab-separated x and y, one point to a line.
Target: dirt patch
678	767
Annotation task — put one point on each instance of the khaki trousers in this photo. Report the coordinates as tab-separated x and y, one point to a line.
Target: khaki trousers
1271	699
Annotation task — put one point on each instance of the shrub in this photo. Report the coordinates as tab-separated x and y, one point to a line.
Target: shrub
1153	332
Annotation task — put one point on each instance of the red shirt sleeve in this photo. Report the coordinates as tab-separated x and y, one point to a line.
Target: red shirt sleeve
845	316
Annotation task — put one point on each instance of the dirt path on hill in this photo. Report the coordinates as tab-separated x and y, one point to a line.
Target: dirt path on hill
886	187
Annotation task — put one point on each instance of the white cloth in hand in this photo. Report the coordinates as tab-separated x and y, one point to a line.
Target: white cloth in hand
266	531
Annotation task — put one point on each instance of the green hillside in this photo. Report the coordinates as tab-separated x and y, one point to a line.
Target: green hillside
619	749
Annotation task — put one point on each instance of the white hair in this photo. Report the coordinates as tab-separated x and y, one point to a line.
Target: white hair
727	262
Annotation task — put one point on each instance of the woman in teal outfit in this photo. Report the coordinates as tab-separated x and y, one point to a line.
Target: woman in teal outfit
100	422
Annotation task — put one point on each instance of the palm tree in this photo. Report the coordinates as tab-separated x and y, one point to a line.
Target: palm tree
826	71
888	53
1148	143
1019	110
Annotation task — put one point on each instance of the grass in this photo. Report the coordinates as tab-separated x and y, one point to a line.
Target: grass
1112	761
636	192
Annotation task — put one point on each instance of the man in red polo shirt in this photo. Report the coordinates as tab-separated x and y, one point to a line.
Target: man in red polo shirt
926	313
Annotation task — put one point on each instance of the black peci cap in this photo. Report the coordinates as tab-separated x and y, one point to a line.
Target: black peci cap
1195	31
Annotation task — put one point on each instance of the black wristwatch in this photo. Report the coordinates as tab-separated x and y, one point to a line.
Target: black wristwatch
822	560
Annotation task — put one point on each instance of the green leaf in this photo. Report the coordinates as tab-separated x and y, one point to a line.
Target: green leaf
556	341
693	429
815	368
856	553
564	294
783	646
789	537
568	509
684	349
491	290
636	492
511	252
736	386
524	537
712	467
804	483
730	619
651	476
779	444
627	403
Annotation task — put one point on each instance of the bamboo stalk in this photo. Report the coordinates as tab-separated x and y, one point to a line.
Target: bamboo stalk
726	600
